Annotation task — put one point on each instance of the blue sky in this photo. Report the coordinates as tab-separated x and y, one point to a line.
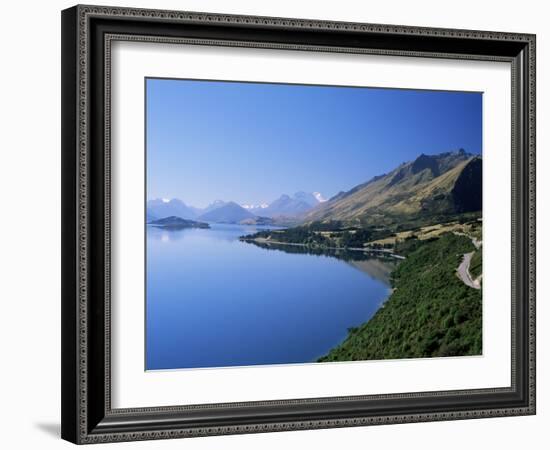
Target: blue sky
252	142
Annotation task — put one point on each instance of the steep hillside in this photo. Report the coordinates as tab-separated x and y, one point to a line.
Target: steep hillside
430	313
429	186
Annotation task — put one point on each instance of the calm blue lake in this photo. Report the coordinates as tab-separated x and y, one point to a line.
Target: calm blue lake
214	301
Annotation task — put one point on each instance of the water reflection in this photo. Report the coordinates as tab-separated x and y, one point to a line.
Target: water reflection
378	267
215	301
224	232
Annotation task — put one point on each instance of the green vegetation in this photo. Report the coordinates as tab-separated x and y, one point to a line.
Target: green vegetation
393	238
410	244
323	234
475	264
430	312
303	235
427	210
398	223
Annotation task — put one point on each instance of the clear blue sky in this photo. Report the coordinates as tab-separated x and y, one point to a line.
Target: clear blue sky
252	142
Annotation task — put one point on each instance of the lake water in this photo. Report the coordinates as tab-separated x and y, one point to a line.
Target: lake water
214	301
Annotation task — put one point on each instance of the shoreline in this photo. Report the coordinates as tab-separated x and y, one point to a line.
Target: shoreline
363	341
297	244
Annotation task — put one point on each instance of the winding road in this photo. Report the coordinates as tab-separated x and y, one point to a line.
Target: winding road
463	269
463	272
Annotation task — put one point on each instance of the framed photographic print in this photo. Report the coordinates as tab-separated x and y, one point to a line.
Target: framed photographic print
280	224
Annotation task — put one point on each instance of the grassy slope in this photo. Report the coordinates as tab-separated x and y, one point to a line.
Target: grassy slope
403	199
442	185
430	313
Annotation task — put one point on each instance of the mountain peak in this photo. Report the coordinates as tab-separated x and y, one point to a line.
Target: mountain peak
319	197
311	198
300	203
424	162
430	185
232	204
228	212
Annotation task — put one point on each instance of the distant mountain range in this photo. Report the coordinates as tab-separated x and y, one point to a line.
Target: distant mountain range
431	185
285	207
414	192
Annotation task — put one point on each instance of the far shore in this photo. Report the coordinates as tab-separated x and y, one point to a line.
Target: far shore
260	240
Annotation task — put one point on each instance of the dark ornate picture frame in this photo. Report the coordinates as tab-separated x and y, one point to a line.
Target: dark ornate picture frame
87	34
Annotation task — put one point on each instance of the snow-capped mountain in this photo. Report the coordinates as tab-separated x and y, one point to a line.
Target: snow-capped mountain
311	198
319	197
260	206
287	206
